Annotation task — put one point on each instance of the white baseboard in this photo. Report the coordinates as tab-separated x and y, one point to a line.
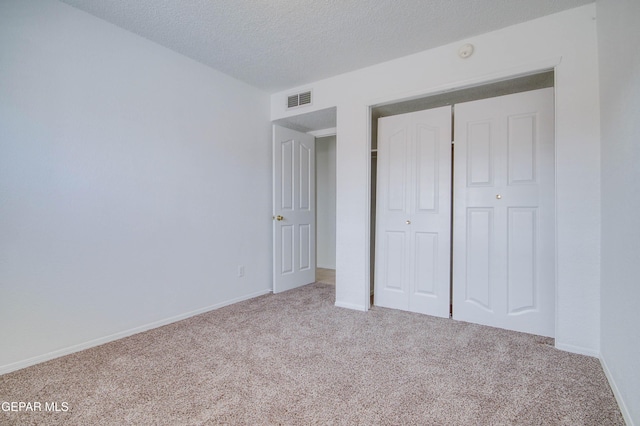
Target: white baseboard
351	306
126	333
616	392
577	350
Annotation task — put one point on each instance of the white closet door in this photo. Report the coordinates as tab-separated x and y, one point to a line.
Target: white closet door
503	236
413	212
294	214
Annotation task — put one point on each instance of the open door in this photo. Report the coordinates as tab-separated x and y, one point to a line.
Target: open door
294	210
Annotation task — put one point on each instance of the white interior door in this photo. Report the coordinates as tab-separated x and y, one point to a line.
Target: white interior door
503	236
413	208
294	215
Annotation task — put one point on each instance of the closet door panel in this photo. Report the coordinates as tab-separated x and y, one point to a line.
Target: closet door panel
504	204
413	200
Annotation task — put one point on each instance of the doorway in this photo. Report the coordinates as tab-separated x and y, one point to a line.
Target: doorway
326	209
411	266
318	128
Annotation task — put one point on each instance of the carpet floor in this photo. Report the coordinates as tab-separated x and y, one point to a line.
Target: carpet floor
294	358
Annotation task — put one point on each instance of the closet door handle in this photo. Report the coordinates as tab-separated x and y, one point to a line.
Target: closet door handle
408	222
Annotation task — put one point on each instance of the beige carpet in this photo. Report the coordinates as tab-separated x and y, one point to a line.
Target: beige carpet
294	358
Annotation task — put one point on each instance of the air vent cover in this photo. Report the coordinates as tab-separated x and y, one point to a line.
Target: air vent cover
299	99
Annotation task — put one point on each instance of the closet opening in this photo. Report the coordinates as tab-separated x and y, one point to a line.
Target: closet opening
451	99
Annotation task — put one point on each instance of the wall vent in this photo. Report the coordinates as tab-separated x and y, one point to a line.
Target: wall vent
299	99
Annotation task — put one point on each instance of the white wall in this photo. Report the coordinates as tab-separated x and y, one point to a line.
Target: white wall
326	202
566	41
125	170
618	38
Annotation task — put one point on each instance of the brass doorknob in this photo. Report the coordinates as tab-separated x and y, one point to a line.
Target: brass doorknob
279	218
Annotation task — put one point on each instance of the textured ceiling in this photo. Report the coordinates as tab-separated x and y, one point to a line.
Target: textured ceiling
278	44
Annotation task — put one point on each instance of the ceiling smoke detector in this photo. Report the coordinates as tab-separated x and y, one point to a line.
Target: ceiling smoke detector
465	51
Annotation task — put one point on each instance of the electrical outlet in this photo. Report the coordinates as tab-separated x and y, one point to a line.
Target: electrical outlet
240	271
